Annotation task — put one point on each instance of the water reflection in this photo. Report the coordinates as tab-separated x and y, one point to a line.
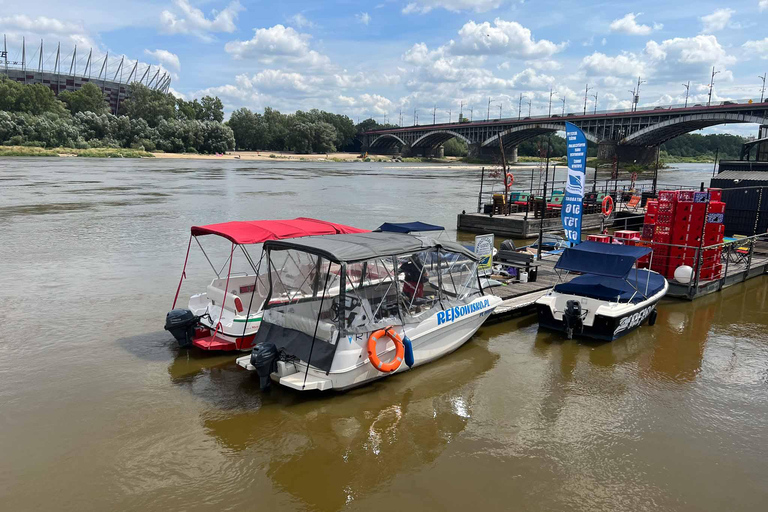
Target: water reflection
330	449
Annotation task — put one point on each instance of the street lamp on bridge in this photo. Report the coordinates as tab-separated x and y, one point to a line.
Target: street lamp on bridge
595	96
687	90
551	92
563	105
586	93
711	85
762	91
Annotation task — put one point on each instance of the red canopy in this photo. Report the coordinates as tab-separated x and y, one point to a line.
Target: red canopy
259	231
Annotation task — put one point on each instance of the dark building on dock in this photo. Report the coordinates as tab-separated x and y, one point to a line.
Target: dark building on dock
745	188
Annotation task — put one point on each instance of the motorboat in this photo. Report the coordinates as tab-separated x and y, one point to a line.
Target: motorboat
610	298
344	310
227	315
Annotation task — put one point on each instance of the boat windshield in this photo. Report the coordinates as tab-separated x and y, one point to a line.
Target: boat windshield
315	301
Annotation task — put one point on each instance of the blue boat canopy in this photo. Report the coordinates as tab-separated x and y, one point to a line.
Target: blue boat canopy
601	259
632	289
407	227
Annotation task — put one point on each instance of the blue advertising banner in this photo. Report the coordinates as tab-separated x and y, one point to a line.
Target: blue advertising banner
574	187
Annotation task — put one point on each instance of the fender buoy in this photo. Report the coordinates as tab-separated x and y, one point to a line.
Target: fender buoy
607	206
509	179
399	350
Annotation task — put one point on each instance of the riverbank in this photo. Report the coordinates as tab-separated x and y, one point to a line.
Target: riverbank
71	152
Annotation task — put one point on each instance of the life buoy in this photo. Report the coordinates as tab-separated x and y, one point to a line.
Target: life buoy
509	179
399	350
607	206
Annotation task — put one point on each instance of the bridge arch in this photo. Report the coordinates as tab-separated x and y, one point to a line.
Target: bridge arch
437	137
663	131
387	140
517	134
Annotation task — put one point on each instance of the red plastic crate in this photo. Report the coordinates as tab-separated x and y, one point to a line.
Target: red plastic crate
665	219
715	194
667	195
606	239
666	207
711	228
716	207
685	195
627	234
651	207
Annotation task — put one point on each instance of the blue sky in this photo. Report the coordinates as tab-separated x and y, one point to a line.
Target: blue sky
374	59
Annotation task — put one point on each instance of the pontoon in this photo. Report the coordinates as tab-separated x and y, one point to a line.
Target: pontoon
227	315
611	298
344	310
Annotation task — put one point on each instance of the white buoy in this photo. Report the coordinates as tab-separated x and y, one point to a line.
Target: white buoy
683	274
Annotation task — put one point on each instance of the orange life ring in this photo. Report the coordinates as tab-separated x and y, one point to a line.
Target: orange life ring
607	206
509	180
399	350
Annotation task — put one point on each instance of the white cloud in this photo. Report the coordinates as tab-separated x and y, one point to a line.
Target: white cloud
625	65
716	21
604	42
363	18
544	64
759	48
168	59
191	20
629	25
529	79
763	5
425	6
278	42
69	33
301	21
503	38
690	50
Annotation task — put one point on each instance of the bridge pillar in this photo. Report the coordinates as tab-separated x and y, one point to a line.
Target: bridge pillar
511	155
641	155
426	152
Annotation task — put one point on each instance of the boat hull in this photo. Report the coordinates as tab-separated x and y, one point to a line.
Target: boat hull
432	339
604	327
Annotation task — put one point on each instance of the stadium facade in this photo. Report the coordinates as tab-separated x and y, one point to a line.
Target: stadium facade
112	76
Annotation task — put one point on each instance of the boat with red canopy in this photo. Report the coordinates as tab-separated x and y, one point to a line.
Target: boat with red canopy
228	314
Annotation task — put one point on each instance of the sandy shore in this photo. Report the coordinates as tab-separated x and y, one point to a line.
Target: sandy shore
275	155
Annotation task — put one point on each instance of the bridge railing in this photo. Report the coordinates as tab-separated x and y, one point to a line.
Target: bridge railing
577	113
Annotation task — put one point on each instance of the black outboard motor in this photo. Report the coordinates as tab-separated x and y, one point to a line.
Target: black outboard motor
181	323
264	359
572	317
508	245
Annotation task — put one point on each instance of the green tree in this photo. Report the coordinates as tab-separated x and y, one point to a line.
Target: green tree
33	99
89	98
211	109
455	147
151	105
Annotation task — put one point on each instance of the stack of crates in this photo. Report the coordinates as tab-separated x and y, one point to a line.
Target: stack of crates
649	228
605	239
680	218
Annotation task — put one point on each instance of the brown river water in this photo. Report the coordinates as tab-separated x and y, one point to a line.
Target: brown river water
99	410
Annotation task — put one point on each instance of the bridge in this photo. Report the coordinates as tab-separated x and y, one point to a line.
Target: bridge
630	135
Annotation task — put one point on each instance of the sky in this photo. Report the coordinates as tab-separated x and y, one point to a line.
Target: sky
387	58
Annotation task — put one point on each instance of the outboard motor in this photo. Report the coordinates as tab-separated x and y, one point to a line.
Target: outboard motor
508	245
264	359
572	317
181	323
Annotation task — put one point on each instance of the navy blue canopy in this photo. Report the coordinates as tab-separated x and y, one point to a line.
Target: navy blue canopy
610	288
407	227
601	259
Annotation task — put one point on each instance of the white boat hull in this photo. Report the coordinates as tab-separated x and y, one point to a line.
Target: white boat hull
433	338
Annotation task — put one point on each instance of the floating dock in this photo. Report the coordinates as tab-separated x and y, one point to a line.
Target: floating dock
522	225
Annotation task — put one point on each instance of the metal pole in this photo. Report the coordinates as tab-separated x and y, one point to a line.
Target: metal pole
480	196
586	93
57	69
544	203
5	53
711	85
595	96
687	89
72	64
529	108
434	114
24	58
488	117
762	91
551	92
520	107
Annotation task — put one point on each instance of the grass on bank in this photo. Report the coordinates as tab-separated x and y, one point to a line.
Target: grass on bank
84	153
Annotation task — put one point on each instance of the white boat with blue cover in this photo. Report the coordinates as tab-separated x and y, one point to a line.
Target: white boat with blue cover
611	298
344	310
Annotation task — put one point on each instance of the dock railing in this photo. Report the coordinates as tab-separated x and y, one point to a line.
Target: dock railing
733	260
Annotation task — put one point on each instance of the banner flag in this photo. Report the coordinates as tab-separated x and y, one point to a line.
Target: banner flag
573	202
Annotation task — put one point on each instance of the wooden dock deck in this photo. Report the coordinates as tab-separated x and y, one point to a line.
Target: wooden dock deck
519	298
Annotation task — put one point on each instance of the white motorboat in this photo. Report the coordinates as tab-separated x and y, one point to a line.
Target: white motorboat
227	315
344	310
610	298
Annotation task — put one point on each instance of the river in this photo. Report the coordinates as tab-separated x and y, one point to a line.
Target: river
101	411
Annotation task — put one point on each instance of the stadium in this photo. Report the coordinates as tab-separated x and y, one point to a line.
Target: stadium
68	73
